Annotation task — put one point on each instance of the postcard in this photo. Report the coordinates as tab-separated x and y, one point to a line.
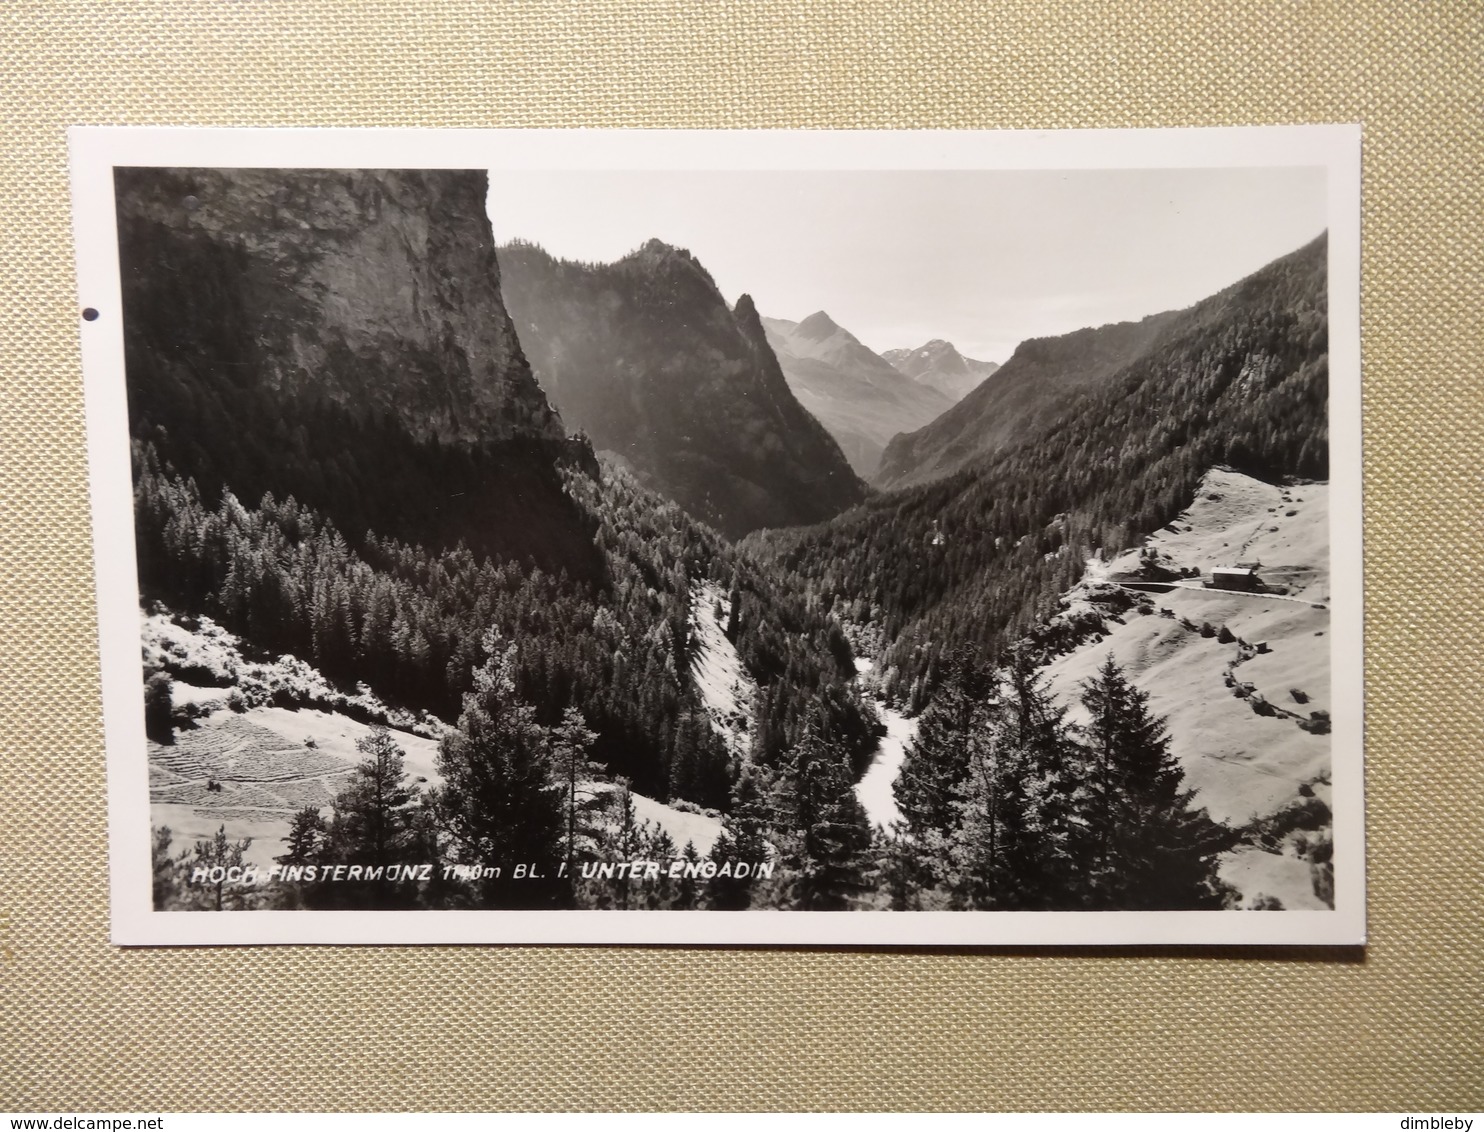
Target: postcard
869	538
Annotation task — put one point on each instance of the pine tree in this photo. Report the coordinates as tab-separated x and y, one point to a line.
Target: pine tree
627	840
1150	847
937	761
687	892
429	847
822	831
575	774
376	807
744	837
158	707
499	804
309	843
975	865
897	875
1046	793
220	853
305	842
659	847
167	888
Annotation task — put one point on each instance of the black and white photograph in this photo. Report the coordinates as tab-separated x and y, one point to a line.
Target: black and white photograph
603	537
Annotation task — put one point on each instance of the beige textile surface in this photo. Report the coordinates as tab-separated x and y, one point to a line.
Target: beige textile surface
84	1026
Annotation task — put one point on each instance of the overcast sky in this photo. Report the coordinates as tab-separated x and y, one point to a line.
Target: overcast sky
983	259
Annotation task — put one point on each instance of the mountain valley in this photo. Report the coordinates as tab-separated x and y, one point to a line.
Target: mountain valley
861	398
458	554
975	557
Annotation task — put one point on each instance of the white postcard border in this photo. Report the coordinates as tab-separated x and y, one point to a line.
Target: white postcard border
95	151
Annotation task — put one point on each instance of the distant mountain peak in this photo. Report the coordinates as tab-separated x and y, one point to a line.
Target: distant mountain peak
937	363
855	392
646	356
945	355
934	351
817	326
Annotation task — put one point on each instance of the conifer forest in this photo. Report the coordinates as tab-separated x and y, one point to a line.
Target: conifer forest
471	578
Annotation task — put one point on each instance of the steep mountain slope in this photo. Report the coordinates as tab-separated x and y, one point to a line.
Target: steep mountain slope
855	393
977	557
339	335
411	625
250	769
1027	391
1242	678
1233	715
644	356
939	365
722	680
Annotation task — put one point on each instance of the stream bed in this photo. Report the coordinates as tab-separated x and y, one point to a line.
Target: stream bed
874	789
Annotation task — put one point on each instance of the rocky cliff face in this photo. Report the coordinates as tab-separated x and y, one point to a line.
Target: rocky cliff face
338	335
376	290
644	355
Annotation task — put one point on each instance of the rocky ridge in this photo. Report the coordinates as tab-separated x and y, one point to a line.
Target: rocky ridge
854	392
376	290
939	365
645	356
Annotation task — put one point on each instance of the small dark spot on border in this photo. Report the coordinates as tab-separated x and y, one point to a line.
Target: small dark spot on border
89	314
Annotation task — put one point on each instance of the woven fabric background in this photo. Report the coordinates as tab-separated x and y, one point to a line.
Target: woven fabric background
86	1027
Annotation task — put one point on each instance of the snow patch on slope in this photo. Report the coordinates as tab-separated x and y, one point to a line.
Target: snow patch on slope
264	764
196	651
728	692
1234	708
687	825
252	771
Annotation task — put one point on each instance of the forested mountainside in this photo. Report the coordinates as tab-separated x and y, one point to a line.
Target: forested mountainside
340	335
854	392
343	459
976	557
644	356
938	364
409	622
354	504
1040	379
